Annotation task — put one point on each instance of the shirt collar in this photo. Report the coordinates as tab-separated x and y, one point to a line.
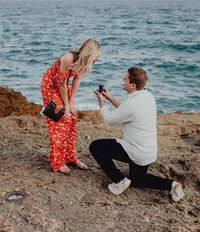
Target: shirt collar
138	92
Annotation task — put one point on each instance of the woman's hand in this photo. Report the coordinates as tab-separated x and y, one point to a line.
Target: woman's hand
67	111
72	108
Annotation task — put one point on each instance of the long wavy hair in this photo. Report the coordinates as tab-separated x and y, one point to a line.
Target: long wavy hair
85	56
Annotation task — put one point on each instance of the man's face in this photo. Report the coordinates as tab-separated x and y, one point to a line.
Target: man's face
127	85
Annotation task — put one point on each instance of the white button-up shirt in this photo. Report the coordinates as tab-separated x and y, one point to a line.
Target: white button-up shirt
137	115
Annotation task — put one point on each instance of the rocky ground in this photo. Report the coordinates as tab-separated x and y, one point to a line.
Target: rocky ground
33	198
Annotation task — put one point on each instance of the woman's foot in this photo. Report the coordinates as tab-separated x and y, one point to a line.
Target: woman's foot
81	165
176	191
64	169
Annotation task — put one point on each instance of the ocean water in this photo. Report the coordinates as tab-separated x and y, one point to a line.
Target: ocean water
163	37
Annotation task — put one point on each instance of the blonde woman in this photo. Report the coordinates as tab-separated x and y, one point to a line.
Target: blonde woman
55	86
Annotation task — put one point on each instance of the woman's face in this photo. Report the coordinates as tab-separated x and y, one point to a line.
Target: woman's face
96	59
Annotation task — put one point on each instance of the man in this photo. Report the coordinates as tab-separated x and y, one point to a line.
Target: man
137	115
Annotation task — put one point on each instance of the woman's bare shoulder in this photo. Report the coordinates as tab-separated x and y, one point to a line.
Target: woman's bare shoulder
66	60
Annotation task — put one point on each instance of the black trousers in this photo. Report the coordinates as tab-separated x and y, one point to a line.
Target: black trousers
105	151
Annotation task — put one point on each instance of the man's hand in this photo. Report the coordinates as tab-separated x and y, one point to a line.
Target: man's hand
114	101
100	98
106	94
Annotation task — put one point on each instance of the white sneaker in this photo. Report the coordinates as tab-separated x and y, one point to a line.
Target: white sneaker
120	187
176	191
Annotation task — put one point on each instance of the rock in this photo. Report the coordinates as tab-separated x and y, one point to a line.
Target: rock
146	218
90	115
197	143
14	103
81	201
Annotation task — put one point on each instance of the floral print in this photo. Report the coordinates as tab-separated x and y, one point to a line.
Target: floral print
62	134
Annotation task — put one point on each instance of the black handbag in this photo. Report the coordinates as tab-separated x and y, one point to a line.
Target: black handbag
49	111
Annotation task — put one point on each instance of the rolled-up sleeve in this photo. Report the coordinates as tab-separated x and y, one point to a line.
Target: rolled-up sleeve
122	114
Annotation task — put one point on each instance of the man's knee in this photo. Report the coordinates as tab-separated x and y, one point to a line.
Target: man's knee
93	147
97	149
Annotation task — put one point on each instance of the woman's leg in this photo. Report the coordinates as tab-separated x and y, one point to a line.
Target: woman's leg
57	135
70	141
70	144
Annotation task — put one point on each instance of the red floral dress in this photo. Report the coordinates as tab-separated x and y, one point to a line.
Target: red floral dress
62	134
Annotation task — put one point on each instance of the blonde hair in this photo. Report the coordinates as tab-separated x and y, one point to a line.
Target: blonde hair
85	56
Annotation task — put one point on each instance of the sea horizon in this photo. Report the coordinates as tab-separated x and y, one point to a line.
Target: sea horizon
160	37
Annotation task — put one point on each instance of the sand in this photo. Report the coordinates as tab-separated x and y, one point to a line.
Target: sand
33	198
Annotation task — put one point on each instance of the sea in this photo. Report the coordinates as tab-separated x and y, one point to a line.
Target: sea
160	36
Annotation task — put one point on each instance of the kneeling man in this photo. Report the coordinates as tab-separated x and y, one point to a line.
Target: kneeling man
137	115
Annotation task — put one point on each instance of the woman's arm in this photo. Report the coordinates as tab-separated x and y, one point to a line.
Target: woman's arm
64	94
75	85
65	62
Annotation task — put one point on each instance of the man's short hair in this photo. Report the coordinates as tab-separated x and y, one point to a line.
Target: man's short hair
138	77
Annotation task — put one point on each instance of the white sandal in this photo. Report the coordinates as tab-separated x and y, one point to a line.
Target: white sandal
65	170
81	165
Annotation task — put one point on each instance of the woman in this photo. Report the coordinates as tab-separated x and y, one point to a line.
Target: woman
55	86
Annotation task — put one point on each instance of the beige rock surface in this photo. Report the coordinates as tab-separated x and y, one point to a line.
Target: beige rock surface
81	202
